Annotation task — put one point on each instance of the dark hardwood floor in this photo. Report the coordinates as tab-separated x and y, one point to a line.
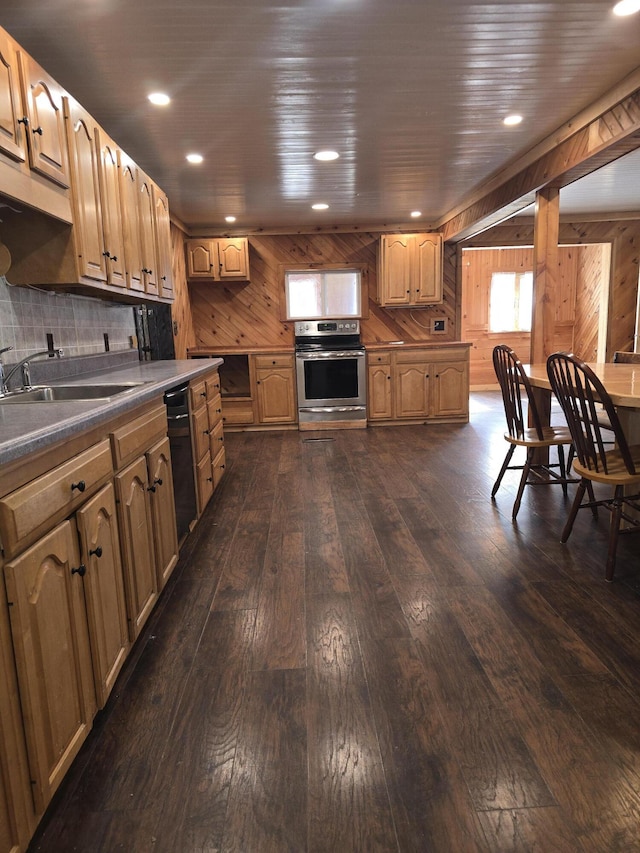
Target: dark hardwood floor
359	651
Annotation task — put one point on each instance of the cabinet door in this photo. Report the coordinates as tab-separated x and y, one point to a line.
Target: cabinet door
202	259
163	510
411	382
134	520
17	817
85	192
428	283
147	234
130	222
112	224
53	660
12	128
204	481
450	389
275	393
164	261
45	133
200	432
233	258
103	589
396	269
379	392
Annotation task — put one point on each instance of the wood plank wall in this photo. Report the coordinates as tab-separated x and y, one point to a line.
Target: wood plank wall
478	265
590	274
248	314
624	237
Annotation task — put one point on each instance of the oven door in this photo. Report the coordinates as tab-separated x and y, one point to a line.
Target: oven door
332	385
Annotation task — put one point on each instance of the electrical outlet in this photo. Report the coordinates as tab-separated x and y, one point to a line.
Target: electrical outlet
439	325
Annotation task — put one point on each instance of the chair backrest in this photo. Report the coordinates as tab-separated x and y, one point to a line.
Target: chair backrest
512	378
579	391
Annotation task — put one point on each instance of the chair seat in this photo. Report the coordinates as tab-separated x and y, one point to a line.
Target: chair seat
618	474
552	436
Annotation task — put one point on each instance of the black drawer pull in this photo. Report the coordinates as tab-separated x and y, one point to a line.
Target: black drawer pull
80	486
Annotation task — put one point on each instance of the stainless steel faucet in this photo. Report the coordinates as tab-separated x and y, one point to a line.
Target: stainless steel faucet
23	365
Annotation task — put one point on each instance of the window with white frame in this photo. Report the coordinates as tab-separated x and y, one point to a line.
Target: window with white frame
510	302
321	293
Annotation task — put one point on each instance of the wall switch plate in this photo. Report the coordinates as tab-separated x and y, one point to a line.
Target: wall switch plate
439	325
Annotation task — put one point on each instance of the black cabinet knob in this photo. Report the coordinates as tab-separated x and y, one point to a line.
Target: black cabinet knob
97	551
80	486
81	570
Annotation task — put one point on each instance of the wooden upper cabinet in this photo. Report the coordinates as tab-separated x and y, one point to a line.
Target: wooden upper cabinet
130	220
218	259
148	253
12	126
85	190
112	224
410	270
45	129
164	260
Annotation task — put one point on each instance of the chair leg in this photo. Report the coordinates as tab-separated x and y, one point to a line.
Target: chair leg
523	483
563	470
505	465
568	527
614	530
592	498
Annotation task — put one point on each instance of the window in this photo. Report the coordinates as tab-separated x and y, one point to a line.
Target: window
313	294
511	302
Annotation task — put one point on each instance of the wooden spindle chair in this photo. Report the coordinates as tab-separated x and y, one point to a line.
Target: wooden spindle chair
582	397
514	385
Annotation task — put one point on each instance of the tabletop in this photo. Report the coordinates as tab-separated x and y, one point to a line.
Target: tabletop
622	381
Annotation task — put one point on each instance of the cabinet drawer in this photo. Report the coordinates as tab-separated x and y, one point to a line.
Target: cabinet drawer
30	511
379	358
273	361
216	439
137	436
197	393
413	356
218	466
204	481
214	408
200	433
212	385
237	412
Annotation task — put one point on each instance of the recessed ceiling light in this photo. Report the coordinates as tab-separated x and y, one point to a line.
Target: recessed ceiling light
229	219
416	213
326	155
512	120
626	7
159	99
320	206
195	158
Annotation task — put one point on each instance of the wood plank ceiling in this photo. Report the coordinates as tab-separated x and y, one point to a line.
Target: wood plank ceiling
411	93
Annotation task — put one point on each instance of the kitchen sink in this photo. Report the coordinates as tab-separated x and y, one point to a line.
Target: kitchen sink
60	393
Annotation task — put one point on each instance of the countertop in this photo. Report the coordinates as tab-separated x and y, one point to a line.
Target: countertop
384	345
194	352
26	427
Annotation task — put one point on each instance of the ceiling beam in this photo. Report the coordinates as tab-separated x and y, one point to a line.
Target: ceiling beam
607	136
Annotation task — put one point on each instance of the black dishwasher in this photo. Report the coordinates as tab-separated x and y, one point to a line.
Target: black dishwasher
184	488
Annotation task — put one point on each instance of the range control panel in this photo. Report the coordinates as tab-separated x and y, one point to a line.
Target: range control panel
306	328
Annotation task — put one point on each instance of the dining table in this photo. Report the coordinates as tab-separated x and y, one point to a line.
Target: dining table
621	381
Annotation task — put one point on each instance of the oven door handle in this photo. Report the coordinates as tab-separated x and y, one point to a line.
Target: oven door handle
332	354
325	409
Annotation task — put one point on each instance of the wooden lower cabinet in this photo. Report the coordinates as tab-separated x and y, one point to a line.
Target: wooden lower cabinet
163	510
17	814
419	384
134	518
53	656
207	436
103	589
275	389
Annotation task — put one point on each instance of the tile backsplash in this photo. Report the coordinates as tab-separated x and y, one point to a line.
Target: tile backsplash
78	323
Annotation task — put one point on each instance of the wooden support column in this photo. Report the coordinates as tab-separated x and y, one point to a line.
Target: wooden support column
546	232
